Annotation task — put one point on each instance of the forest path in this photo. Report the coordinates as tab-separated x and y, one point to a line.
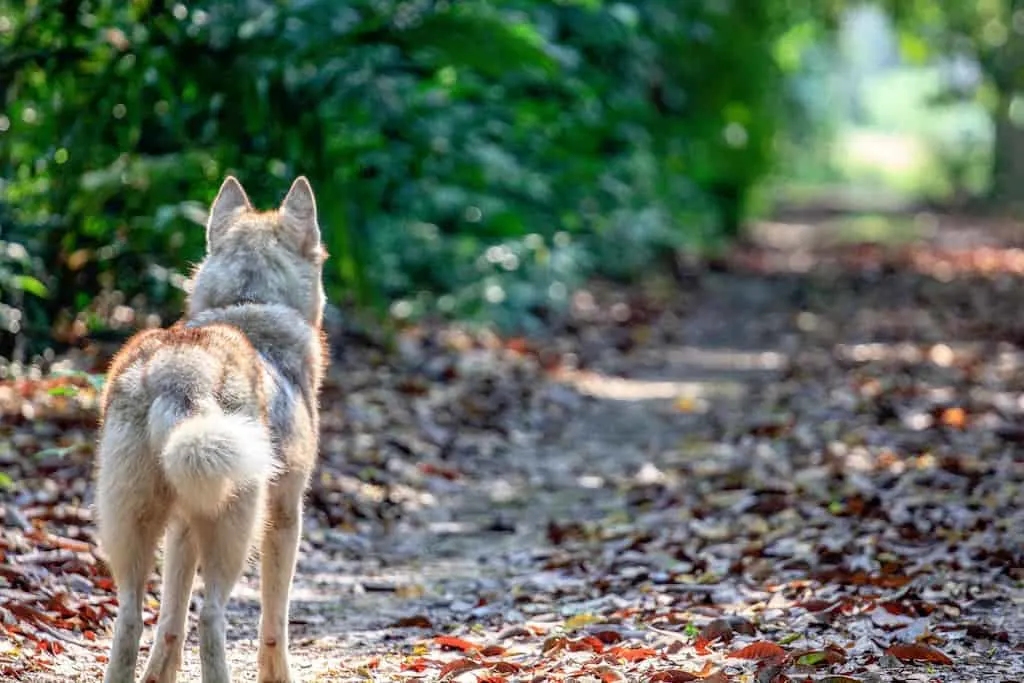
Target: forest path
812	451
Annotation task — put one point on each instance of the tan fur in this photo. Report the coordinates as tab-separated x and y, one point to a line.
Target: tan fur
209	434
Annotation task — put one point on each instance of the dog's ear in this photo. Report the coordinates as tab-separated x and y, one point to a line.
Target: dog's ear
230	199
298	217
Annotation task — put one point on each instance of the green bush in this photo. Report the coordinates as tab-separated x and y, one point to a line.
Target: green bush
434	132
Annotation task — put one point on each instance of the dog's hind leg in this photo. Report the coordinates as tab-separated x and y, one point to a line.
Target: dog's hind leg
277	565
132	508
180	560
224	542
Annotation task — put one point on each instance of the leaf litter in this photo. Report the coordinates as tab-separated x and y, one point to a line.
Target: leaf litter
787	469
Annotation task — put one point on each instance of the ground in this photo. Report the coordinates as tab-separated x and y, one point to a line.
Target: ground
793	464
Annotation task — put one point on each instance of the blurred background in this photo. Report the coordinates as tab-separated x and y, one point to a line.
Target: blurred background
480	159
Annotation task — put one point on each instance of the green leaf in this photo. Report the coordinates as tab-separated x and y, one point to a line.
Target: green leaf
812	658
5	481
913	48
34	286
481	39
56	452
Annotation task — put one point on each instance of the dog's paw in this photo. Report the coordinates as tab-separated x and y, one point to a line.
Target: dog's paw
274	667
163	664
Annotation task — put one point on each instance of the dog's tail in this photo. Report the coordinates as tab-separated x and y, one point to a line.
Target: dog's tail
209	455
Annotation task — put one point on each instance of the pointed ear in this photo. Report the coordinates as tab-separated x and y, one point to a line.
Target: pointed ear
230	199
298	213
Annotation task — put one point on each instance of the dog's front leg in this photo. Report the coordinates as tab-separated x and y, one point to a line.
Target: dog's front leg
277	566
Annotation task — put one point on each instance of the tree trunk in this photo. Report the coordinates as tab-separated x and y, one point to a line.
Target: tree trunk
730	200
1008	159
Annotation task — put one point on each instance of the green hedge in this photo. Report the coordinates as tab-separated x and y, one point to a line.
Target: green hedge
477	157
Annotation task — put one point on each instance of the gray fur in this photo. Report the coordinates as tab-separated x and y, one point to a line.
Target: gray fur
210	431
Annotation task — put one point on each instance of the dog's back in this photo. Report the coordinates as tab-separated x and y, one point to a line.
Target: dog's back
210	432
196	397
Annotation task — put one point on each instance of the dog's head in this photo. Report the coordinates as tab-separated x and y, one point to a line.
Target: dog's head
263	257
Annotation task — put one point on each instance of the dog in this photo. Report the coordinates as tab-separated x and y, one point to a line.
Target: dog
208	434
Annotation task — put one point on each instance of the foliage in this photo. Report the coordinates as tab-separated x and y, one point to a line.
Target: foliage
985	35
433	132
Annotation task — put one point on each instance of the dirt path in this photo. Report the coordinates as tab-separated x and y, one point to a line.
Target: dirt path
486	534
739	464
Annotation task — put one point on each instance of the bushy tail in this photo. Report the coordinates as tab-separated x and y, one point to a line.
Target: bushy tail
209	456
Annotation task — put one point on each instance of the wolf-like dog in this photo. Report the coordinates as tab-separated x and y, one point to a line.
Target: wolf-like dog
209	432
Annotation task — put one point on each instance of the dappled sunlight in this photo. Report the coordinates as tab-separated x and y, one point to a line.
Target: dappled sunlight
943	354
945	264
692	395
927	244
890	153
623	389
703	358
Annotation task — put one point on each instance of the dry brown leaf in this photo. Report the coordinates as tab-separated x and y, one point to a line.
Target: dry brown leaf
916	652
759	650
673	676
457	667
455	643
416	621
632	654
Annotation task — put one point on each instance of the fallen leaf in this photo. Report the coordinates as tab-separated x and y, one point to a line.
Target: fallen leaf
632	654
417	621
685	404
586	643
578	621
916	652
458	667
608	675
454	643
419	664
554	644
955	418
718	677
607	637
673	676
759	650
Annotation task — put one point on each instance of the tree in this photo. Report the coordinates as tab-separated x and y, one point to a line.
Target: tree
989	33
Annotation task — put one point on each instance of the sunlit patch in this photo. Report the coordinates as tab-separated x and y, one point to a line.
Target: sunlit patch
860	460
891	152
925	461
727	359
918	421
984	260
942	355
688	396
622	389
